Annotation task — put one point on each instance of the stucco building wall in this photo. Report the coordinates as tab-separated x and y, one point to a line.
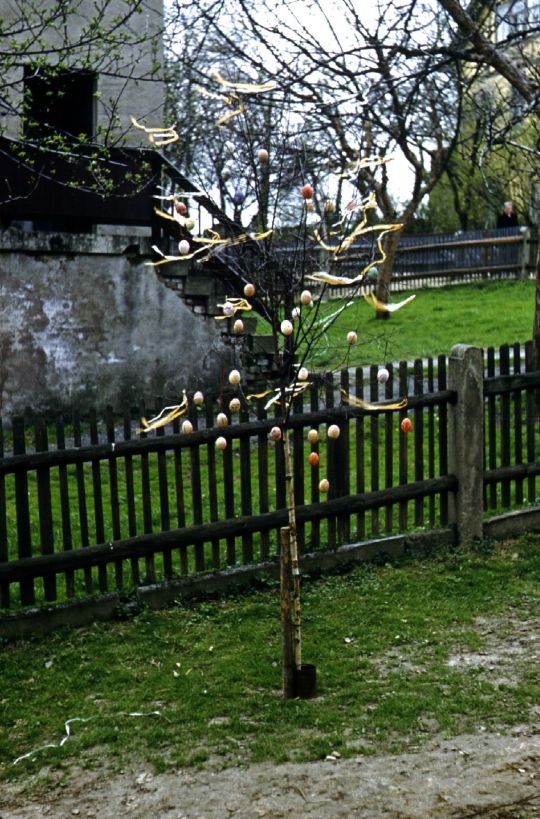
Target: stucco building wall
84	322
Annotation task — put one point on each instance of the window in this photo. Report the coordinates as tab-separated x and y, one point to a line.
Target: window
60	102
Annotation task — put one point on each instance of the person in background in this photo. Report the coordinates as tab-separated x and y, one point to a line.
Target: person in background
507	218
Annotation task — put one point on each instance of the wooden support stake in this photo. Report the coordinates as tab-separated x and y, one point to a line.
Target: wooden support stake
286	623
294	555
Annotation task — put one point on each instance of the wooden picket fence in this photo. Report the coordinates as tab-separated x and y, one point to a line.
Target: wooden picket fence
443	259
89	506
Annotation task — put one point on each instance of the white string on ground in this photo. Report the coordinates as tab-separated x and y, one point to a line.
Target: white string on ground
67	729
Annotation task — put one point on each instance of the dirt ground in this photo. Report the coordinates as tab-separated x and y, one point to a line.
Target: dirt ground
490	775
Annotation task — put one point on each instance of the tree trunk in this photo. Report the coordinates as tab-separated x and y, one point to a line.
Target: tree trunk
536	323
386	268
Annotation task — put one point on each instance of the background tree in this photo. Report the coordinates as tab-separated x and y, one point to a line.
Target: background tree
360	83
502	40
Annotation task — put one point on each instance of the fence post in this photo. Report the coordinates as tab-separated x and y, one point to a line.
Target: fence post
524	253
466	440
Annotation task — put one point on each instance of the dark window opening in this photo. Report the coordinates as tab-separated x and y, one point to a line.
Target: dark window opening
59	102
59	113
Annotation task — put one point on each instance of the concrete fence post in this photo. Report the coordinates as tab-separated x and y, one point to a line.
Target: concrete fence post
466	440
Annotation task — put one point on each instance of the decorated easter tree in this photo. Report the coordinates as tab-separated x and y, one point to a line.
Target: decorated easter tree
298	220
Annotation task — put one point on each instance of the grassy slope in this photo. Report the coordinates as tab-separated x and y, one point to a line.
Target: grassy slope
483	315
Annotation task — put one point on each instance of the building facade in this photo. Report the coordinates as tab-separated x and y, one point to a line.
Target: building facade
83	319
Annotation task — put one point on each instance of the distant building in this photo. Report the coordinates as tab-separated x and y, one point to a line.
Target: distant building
66	111
83	319
87	70
515	28
512	16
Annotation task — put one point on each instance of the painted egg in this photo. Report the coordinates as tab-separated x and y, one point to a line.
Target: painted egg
352	337
234	377
324	485
249	290
333	431
313	436
183	247
198	398
314	458
307	191
187	427
303	374
221	443
222	420
305	297
383	375
238	326
275	434
406	425
234	405
286	327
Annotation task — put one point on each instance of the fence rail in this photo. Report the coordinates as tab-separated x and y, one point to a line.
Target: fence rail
87	506
443	259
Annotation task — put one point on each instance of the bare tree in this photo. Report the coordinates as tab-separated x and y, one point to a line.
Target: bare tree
277	274
501	40
362	83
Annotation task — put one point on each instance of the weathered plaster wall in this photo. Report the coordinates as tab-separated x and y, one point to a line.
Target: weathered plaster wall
83	321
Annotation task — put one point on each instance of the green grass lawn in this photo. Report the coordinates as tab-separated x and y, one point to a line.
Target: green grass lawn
483	315
480	314
203	682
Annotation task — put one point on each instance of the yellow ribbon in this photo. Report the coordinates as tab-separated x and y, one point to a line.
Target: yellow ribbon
245	87
358	402
157	136
162	420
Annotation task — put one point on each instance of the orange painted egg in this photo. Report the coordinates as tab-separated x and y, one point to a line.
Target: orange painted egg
406	425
